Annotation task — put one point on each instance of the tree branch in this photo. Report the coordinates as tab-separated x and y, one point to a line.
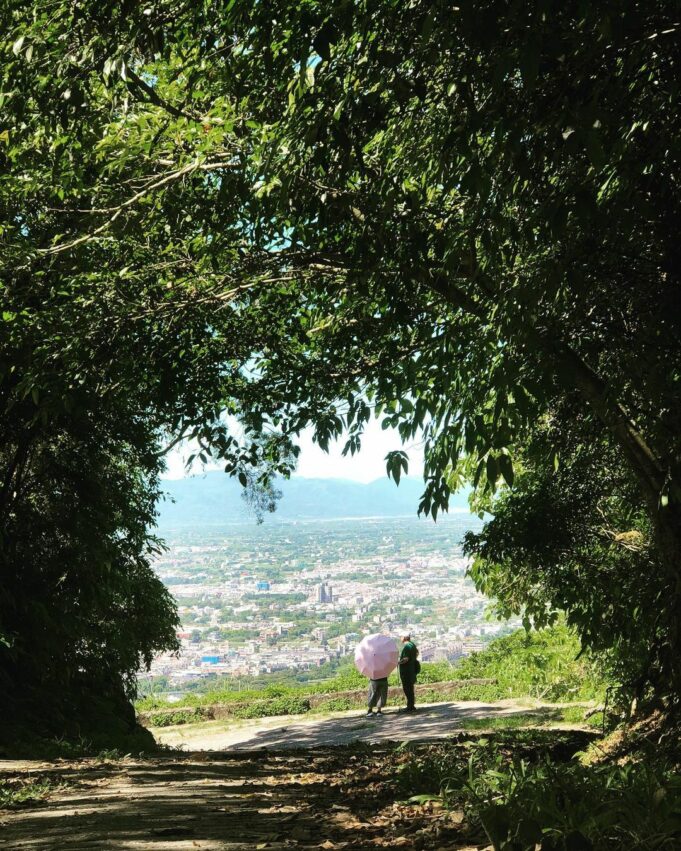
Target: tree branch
155	98
173	443
164	181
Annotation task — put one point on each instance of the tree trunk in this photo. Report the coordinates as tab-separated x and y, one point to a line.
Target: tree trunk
652	477
647	467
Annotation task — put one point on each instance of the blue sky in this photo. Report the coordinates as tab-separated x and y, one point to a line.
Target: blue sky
366	466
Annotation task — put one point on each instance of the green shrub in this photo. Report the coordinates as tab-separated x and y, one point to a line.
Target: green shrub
277	706
340	704
564	807
179	716
17	791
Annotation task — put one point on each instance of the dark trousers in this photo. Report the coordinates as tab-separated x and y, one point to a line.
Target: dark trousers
378	693
408	689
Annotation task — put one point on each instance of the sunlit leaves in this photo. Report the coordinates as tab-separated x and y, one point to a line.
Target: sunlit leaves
577	540
411	209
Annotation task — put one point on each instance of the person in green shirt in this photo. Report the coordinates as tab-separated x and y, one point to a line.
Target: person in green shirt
408	668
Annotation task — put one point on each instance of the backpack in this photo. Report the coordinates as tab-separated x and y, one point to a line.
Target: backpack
417	667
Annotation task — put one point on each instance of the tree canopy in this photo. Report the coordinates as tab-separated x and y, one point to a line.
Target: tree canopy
459	219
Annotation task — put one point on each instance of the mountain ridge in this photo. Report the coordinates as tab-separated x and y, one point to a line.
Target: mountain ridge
213	498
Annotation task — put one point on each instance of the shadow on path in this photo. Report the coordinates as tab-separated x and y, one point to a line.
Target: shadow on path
321	799
327	784
428	723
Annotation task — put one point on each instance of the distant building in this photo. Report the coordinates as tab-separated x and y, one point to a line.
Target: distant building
324	593
210	660
262	585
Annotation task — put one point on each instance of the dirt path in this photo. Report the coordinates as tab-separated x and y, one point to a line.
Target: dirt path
344	796
430	722
325	799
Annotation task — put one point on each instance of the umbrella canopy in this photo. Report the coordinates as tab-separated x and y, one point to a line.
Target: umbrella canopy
376	656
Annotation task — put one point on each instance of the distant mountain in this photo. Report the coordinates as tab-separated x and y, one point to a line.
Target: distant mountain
214	498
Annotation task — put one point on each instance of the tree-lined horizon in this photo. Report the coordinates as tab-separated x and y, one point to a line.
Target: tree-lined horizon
460	219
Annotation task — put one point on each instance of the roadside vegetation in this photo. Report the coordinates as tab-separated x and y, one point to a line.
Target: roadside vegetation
545	665
529	789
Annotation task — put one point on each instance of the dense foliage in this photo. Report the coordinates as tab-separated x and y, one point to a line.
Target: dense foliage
463	220
526	790
81	609
577	540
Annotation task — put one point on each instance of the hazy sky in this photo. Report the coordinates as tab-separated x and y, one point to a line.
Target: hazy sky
366	466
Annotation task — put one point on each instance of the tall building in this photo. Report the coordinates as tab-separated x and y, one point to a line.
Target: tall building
324	593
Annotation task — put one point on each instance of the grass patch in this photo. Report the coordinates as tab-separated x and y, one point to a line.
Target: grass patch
19	791
545	665
510	722
542	717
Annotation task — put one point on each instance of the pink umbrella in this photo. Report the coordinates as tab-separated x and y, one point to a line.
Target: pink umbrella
376	656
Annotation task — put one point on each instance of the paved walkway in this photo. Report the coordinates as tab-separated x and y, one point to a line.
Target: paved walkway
430	722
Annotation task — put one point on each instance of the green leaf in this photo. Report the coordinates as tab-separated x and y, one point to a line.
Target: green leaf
506	468
423	799
492	467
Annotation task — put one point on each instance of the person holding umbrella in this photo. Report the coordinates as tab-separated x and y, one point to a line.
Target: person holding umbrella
375	657
378	696
409	667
